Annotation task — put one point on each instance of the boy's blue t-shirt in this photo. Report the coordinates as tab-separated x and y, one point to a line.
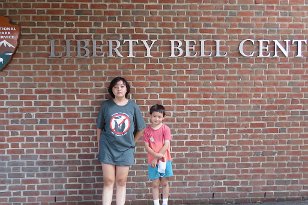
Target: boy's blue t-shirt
118	125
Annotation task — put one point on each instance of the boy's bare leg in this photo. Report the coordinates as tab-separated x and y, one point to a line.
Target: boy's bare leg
165	185
155	189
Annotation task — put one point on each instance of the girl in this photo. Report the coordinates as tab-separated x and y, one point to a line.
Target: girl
119	125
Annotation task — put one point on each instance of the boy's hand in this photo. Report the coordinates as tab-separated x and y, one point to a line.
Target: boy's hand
159	155
154	163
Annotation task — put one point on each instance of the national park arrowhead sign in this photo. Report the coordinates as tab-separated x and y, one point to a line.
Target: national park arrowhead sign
9	38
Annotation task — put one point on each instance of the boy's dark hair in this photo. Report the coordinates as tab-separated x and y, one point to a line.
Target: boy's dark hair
158	108
114	82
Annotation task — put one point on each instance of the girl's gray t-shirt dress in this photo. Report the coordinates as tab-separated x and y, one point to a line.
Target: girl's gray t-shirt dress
118	125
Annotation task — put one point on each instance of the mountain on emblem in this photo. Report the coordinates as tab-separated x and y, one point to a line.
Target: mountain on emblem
9	38
6	44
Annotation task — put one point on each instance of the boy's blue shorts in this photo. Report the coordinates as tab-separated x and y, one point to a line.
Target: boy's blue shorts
154	174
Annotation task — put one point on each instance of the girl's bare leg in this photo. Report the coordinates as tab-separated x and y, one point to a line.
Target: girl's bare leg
121	179
109	178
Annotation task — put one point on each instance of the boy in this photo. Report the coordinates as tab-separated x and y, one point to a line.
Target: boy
157	138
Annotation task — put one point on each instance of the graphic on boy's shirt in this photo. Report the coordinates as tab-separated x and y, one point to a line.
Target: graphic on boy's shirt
119	124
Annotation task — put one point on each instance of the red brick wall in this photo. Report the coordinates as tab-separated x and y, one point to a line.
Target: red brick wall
239	123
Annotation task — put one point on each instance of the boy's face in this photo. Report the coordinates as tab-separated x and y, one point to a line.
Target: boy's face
156	118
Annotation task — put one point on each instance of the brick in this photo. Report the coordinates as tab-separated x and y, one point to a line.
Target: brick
239	124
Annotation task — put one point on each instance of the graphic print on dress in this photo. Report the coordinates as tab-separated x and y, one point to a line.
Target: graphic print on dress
119	124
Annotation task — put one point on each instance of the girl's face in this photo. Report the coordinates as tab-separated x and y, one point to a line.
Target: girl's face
156	118
119	90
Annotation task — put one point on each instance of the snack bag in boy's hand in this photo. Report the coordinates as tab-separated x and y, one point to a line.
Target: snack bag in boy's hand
162	166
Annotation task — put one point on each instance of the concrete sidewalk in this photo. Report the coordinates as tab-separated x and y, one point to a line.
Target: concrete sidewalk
256	203
280	203
305	202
